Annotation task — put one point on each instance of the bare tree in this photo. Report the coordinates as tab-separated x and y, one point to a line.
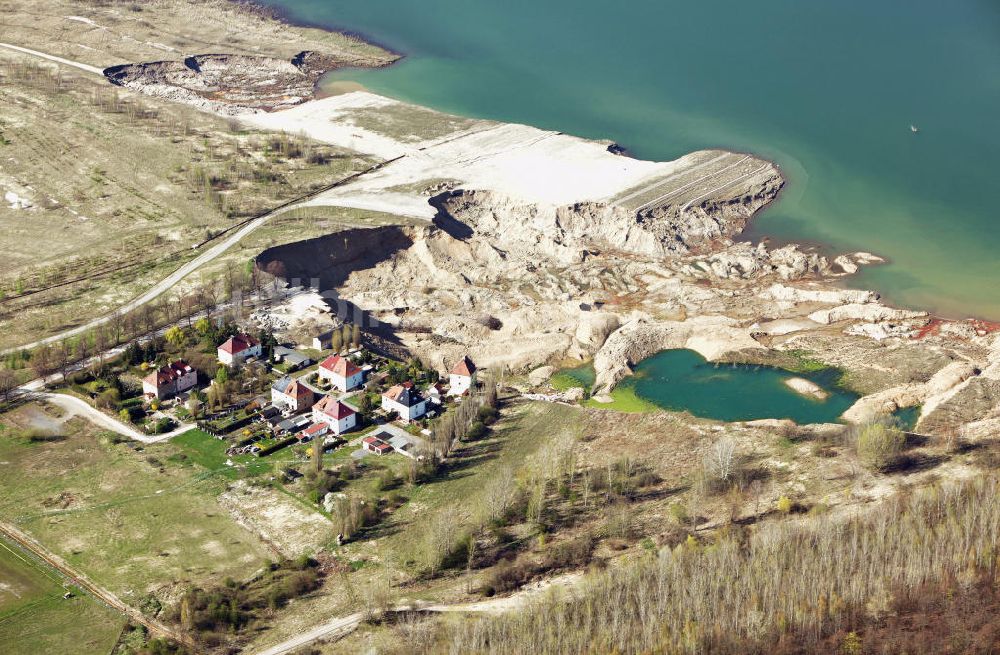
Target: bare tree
499	494
8	382
117	325
722	458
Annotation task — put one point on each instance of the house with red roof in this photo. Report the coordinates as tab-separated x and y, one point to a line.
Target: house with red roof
334	413
170	380
291	394
238	349
462	377
314	431
406	401
341	372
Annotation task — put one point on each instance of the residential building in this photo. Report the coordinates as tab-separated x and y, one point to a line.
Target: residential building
336	414
323	340
406	401
462	377
341	372
291	394
376	445
170	380
292	358
237	349
314	431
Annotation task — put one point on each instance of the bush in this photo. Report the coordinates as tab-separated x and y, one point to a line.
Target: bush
879	445
488	415
508	576
476	430
574	553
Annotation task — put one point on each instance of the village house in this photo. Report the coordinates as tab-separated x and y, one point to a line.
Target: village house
462	377
336	414
314	431
376	445
322	341
406	401
293	359
291	394
238	349
170	380
341	372
435	393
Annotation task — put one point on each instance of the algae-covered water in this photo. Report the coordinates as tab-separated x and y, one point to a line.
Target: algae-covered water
827	88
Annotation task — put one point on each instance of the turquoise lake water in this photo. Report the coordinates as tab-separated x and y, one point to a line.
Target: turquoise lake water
827	88
681	380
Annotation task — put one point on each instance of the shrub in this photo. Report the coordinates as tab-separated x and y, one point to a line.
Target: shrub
785	504
879	445
476	430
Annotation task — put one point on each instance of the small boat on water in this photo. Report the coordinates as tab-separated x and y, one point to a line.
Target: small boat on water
914	129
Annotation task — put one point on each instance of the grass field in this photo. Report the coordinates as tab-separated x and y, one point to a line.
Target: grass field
35	618
139	521
113	179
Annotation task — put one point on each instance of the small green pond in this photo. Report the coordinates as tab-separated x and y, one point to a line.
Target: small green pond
682	380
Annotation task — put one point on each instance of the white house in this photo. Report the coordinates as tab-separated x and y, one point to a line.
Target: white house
334	413
404	400
289	392
342	373
170	380
462	377
238	349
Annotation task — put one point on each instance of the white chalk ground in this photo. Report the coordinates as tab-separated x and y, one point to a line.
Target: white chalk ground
807	388
525	163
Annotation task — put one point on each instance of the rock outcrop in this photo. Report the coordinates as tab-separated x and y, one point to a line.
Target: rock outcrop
711	336
228	84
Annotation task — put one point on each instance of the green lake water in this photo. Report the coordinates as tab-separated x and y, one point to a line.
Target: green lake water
826	88
681	380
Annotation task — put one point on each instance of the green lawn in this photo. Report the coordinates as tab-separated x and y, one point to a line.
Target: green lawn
204	450
624	399
138	520
35	618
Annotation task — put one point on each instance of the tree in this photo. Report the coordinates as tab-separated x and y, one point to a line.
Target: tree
175	336
62	356
116	323
337	341
879	445
8	382
203	326
221	375
721	459
365	403
355	335
42	361
194	404
317	455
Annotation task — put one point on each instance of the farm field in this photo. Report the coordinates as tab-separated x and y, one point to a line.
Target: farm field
141	522
32	603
